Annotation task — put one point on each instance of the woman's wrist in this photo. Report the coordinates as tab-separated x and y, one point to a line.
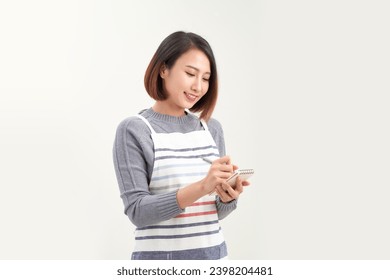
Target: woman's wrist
203	186
191	193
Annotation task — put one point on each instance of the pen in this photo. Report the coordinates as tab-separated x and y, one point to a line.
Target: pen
207	160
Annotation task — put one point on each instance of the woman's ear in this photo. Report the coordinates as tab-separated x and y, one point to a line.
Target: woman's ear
163	71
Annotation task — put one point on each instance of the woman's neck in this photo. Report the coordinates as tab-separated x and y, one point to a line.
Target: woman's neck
162	107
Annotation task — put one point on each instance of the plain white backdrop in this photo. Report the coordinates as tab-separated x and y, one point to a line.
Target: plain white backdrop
304	100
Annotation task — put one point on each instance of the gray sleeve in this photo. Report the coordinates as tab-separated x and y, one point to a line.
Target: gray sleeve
133	161
216	131
224	209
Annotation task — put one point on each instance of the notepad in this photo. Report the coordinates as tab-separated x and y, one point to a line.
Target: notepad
244	174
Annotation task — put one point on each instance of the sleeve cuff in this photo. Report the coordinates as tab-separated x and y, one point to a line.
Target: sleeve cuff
167	205
231	205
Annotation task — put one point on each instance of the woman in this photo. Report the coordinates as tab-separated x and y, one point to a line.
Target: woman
160	157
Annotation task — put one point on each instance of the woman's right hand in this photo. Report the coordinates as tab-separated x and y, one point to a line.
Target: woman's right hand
220	170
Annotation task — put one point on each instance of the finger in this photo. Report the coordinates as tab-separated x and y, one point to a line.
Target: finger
226	168
235	167
224	175
223	194
222	190
223	160
245	183
229	190
239	187
220	194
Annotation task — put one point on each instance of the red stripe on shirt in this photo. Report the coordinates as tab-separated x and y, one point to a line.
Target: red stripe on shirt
196	214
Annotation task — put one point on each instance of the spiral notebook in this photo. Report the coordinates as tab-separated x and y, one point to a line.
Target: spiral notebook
244	174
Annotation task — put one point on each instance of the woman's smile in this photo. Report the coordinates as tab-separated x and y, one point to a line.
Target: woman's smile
191	97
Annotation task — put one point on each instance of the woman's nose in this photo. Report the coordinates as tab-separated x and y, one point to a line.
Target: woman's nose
197	85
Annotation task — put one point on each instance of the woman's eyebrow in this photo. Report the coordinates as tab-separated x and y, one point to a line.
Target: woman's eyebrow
193	67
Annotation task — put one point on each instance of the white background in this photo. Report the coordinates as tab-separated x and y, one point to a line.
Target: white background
304	100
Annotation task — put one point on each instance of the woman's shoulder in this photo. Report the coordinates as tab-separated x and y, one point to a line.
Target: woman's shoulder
216	132
133	125
130	122
215	125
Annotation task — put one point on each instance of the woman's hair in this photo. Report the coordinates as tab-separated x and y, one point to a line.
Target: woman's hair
170	49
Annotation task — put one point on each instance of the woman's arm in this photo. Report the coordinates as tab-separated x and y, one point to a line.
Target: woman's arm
133	160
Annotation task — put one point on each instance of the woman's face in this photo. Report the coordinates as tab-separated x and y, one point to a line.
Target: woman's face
186	81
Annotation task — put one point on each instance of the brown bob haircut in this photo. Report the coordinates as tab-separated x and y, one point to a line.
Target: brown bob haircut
170	49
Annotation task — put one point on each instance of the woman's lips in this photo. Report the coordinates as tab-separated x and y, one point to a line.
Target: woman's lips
190	96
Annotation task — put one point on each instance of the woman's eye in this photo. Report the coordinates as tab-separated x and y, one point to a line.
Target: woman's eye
206	80
190	74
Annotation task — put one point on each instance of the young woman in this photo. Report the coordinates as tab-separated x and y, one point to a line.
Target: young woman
171	193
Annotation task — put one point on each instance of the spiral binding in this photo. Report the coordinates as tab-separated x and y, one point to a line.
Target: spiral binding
247	171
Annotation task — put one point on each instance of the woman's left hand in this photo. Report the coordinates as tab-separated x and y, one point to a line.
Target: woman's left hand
227	193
